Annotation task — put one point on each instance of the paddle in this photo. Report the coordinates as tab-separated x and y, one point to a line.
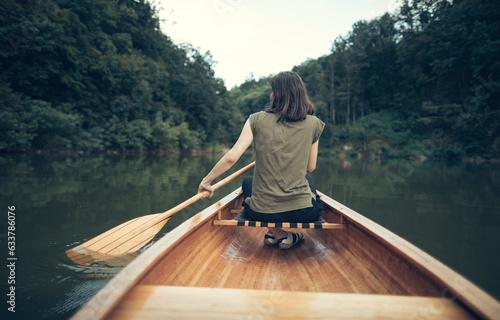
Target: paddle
134	234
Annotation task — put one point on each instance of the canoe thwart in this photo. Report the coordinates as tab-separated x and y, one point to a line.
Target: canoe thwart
241	221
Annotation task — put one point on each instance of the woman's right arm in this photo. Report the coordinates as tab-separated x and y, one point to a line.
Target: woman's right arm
230	158
313	157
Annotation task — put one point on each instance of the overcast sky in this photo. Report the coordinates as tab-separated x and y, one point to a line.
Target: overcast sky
262	37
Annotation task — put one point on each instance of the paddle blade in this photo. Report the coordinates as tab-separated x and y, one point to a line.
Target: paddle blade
126	238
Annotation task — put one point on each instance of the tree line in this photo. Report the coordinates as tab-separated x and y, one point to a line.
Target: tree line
100	75
97	75
429	72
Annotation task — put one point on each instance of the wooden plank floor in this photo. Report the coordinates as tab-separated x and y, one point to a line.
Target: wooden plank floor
224	257
165	302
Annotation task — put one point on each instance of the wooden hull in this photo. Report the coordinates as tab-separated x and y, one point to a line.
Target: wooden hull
200	270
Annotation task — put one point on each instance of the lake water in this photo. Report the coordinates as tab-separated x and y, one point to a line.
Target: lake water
451	211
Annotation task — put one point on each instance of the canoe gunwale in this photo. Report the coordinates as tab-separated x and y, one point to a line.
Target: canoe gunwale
106	299
455	286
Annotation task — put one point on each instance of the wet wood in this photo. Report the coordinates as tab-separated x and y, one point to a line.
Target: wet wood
164	302
123	239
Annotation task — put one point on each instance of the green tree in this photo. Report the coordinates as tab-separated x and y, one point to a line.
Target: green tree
108	75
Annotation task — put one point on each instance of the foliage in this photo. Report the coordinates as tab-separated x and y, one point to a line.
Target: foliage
100	74
377	134
252	96
431	65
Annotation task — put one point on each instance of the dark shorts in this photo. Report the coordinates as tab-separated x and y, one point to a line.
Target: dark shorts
309	214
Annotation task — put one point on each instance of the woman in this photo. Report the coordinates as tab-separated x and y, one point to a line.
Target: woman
286	137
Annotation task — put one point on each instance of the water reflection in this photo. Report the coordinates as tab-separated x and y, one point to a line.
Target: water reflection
57	212
450	211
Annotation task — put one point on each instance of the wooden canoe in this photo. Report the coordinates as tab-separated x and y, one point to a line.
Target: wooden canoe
203	270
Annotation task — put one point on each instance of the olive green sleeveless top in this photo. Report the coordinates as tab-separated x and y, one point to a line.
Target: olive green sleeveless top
281	158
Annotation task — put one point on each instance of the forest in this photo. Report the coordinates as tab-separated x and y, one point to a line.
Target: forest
100	76
421	82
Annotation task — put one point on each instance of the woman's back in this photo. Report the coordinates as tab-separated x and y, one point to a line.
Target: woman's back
285	136
282	154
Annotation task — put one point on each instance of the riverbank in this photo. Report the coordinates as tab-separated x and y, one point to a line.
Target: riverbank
349	151
345	151
385	135
381	135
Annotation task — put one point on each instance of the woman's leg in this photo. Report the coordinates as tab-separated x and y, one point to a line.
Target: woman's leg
278	233
310	179
246	186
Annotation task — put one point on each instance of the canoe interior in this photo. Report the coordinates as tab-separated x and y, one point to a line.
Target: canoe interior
336	261
204	271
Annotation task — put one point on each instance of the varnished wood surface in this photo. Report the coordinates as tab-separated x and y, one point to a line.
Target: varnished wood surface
362	260
165	302
233	257
111	294
127	237
362	233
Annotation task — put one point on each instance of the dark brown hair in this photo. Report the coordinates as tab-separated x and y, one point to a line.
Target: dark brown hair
289	97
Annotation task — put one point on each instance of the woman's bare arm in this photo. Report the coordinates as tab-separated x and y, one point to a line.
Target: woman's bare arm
229	159
313	157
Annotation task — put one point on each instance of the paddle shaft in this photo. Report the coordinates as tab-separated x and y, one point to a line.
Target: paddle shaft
167	214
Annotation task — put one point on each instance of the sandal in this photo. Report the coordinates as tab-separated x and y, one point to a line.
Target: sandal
291	239
270	240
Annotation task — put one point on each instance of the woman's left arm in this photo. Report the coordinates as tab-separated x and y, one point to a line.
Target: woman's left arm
229	159
313	157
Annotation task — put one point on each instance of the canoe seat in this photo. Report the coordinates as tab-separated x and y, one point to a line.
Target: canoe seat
242	221
193	303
